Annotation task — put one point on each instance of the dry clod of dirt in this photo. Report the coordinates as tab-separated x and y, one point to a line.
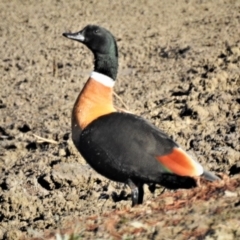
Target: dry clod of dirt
179	67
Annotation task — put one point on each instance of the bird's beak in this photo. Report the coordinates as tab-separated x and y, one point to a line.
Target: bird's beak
78	36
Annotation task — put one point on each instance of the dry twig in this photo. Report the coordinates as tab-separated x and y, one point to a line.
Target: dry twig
120	99
41	139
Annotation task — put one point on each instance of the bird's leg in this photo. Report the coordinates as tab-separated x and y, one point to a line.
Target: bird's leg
137	192
140	193
152	187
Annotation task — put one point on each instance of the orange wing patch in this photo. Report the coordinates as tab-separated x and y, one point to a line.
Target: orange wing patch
180	163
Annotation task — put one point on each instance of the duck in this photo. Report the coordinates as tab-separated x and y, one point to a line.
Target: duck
122	146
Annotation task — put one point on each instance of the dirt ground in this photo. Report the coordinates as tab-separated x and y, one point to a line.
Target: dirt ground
179	68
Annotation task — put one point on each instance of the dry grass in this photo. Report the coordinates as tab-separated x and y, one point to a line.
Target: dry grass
145	219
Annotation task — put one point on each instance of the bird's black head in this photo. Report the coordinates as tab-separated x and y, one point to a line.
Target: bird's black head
98	39
103	45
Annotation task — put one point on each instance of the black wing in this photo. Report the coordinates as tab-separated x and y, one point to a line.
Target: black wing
122	146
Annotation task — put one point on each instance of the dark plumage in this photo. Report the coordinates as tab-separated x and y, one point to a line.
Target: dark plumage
121	146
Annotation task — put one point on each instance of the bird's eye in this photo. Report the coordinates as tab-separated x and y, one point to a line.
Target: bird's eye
96	30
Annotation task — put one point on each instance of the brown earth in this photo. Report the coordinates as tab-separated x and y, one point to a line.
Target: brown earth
179	68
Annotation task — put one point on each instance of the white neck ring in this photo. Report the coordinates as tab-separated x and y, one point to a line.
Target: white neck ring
103	79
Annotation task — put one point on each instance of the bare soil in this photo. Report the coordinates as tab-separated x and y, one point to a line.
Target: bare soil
179	68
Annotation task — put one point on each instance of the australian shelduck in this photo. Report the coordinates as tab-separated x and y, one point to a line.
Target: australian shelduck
119	145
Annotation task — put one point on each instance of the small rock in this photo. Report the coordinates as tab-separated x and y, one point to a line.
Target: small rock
168	200
137	224
62	152
230	194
